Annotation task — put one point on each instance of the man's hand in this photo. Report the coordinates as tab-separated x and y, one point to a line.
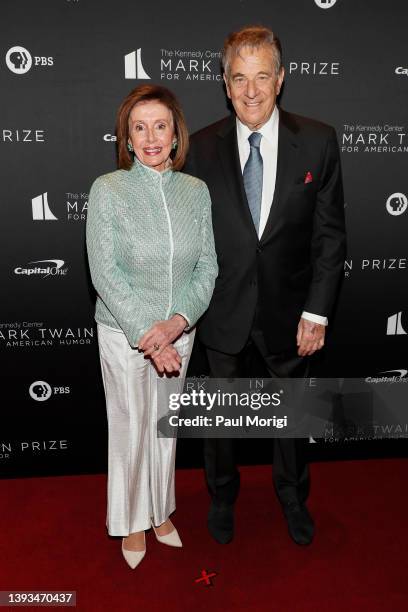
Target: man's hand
161	335
168	361
310	337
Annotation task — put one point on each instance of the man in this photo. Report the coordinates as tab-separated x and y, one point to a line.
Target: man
278	216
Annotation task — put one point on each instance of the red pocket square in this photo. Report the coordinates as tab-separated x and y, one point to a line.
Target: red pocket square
308	178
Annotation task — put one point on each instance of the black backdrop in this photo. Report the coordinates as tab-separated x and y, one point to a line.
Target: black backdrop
63	76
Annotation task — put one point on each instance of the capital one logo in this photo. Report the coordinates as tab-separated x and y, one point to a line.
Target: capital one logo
41	209
402	373
134	67
40	391
325	4
397	204
19	60
401	70
394	325
52	267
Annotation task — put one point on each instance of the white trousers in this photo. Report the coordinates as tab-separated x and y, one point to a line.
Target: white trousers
140	465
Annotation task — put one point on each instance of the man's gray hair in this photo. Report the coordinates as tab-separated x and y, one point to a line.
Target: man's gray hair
252	37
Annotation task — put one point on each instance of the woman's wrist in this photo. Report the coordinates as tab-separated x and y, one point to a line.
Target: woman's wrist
181	322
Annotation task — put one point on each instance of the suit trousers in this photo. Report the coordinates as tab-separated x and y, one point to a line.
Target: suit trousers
290	470
140	465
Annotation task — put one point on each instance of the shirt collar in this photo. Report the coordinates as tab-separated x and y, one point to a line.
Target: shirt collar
269	130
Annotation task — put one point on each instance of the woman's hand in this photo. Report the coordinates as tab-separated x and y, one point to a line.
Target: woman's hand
168	361
163	333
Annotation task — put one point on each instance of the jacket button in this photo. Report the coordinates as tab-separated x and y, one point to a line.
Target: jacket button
258	249
252	283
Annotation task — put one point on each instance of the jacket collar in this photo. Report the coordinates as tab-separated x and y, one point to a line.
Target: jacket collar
288	149
150	174
227	146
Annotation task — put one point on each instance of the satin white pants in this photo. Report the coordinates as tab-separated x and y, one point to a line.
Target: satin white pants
140	465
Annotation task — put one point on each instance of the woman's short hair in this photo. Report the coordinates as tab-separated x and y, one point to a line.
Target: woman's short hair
146	93
253	37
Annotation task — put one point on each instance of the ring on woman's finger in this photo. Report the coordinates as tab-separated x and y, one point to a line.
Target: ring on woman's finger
156	346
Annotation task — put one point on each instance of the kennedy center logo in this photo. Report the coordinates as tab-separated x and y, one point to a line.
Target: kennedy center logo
394	325
134	67
41	209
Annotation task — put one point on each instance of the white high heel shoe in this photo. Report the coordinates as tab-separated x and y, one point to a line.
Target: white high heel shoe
171	539
133	557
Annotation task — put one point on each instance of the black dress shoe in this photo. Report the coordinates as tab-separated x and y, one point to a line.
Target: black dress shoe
221	522
300	523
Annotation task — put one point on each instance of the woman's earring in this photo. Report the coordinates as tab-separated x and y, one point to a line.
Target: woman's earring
130	147
174	144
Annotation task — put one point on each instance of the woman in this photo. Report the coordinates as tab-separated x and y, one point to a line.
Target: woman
153	264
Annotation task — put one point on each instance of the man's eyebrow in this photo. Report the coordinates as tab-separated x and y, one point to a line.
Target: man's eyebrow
261	72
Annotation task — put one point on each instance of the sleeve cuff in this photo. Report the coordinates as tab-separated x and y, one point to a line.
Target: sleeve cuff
188	326
309	316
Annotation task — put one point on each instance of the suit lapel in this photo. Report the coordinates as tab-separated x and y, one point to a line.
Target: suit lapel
288	149
227	146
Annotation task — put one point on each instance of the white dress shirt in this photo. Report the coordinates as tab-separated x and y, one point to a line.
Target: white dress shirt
269	153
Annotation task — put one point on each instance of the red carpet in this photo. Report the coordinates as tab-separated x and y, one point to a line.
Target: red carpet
53	538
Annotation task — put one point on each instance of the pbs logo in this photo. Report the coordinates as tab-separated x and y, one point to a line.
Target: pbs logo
40	391
397	204
19	60
325	4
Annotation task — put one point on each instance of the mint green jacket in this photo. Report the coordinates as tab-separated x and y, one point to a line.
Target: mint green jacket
150	248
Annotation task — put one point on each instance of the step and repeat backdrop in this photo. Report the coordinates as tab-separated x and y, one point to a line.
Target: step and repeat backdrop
65	66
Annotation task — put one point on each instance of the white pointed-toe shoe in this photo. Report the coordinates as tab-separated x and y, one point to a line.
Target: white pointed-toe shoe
133	557
171	539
